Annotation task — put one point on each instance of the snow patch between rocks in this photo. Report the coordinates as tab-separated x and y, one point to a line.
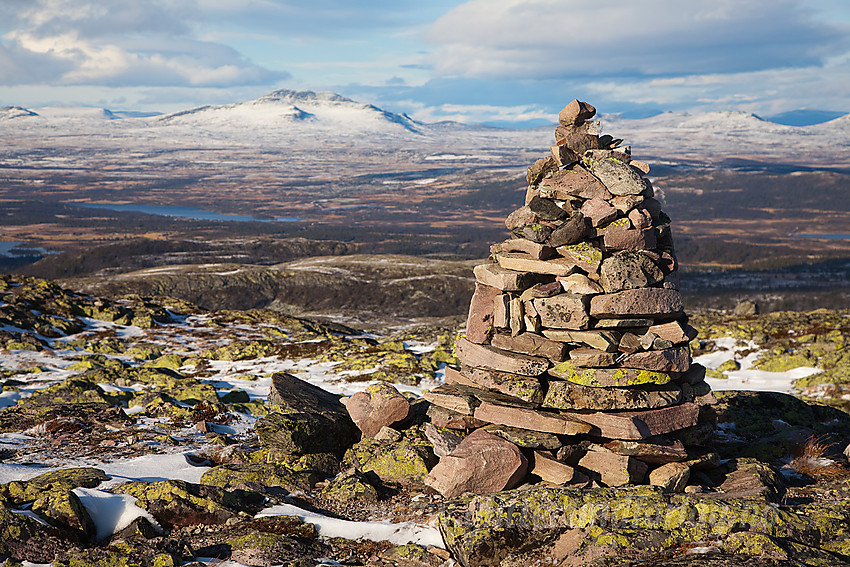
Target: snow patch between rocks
111	513
400	533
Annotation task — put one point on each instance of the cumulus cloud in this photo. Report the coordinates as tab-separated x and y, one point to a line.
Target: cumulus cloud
101	42
557	38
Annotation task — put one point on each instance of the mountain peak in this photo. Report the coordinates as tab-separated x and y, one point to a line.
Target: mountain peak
292	97
9	112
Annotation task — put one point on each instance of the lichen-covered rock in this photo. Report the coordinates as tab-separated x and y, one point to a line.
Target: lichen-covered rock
405	462
24	539
484	530
63	480
180	503
350	486
275	475
64	509
269	540
307	419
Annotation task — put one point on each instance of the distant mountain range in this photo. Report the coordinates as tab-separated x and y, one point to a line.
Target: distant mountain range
306	120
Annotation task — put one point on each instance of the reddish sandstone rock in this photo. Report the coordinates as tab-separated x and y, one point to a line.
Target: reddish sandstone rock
645	302
481	463
576	112
479	322
381	404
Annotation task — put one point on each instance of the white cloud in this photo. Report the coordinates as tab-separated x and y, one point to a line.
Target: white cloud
101	42
558	38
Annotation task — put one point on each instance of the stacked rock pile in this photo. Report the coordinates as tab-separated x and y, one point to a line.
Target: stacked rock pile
577	347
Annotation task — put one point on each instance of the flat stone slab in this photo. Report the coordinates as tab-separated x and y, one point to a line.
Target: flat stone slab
677	359
674	331
563	311
658	451
569	396
483	356
650	302
553	471
525	388
535	420
621	323
580	284
574	181
464	399
520	262
601	340
608	377
441	417
506	280
533	249
593	358
531	343
525	438
639	424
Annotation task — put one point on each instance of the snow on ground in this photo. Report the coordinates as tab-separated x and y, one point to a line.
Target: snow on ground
111	512
747	377
399	533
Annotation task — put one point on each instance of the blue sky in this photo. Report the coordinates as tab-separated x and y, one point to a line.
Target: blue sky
495	61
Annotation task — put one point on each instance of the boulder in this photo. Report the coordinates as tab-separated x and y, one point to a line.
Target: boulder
307	419
482	463
563	311
405	462
574	181
572	231
479	321
378	406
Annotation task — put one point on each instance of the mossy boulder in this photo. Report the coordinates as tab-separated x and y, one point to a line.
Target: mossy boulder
25	539
53	482
350	486
306	419
487	529
64	509
269	540
180	503
264	475
404	462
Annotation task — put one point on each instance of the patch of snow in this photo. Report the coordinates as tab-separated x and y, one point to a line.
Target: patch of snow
29	514
748	378
400	533
111	512
152	468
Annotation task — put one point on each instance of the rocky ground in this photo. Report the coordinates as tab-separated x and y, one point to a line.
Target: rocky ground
150	432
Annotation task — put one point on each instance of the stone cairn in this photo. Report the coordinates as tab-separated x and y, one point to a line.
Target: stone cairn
575	366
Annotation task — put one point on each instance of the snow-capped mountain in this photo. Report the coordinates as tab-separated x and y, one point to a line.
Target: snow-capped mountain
287	108
12	112
305	122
